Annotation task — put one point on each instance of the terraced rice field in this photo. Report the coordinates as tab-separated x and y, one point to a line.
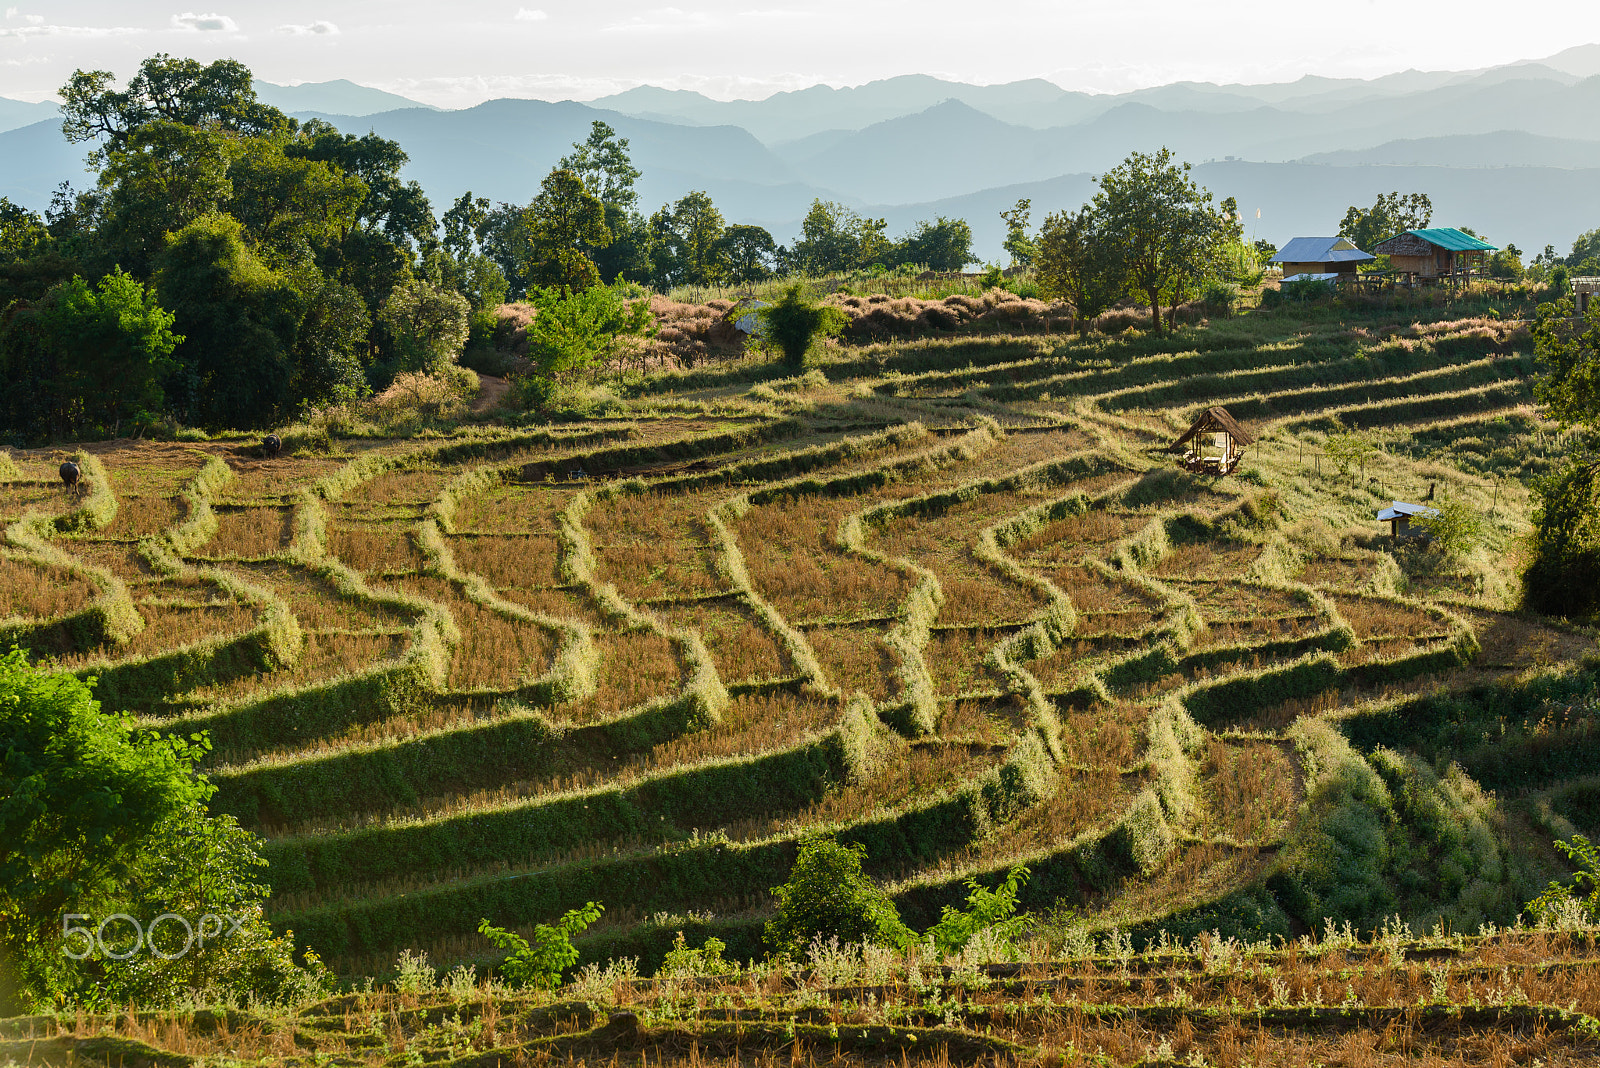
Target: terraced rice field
966	619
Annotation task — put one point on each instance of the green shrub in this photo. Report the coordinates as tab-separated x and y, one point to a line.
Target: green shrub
551	952
794	324
1558	898
987	910
829	896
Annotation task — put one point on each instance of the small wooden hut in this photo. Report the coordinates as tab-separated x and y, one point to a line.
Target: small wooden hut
1440	254
1214	444
1399	515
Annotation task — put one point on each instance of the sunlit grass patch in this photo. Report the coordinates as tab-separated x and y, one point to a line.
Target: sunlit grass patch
249	533
376	549
856	658
740	646
40	591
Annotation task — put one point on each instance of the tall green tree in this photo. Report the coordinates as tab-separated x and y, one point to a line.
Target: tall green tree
563	220
603	165
833	238
1390	214
941	245
219	96
1161	226
687	245
115	343
239	320
1079	264
748	252
429	324
1018	243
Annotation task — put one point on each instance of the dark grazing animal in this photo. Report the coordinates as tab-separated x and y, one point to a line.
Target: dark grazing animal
271	446
71	477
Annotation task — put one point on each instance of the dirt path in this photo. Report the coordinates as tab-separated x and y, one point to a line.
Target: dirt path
491	391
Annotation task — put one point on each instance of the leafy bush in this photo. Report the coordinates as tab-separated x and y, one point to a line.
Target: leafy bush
794	324
987	910
1559	898
707	960
1455	529
102	818
828	896
551	953
1219	296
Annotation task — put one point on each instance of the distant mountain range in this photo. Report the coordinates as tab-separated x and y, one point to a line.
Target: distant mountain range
1513	151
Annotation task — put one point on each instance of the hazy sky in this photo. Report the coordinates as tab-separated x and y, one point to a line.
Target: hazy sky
461	53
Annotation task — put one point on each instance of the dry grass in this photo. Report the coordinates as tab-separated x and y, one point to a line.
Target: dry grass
416	487
375	549
660	571
16	501
171	626
37	591
1069	540
955	658
1206	559
856	658
326	655
974	593
1217	635
1251	789
139	516
569	603
1104	737
1375	618
1237	600
790	553
740	646
496	652
1085	799
260	481
918	773
507	561
752	724
1337	573
635	667
1092	591
318	605
118	557
514	510
250	533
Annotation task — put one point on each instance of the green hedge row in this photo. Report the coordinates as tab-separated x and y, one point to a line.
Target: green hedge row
662	807
675	878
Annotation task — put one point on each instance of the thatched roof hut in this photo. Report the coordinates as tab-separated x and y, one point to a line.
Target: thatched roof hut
1214	444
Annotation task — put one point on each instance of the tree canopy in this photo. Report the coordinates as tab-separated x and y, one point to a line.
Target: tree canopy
1391	214
1160	225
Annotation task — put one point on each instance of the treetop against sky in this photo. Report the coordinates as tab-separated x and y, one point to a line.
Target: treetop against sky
475	50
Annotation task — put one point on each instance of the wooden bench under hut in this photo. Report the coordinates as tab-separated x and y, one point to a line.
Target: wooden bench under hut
1213	445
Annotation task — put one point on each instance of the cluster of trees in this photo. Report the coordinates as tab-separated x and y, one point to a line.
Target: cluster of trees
1563	576
231	266
1150	232
585	227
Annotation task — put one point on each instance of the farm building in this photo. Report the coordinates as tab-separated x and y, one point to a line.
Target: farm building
1586	292
1320	256
1440	253
1214	444
1399	515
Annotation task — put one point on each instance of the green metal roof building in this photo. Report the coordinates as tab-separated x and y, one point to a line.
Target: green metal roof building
1441	252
